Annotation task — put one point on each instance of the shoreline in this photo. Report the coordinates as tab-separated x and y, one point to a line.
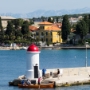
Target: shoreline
45	48
62	47
13	48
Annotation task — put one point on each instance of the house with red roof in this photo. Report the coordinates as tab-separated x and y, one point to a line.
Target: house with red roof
47	32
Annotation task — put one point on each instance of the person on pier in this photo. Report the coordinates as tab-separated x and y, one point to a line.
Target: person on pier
28	82
39	81
43	72
58	73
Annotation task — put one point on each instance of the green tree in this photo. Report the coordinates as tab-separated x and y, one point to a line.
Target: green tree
66	27
86	19
89	23
81	29
18	34
43	18
50	19
10	29
31	21
1	28
17	22
57	19
25	28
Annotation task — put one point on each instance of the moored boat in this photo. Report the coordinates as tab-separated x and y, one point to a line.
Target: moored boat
49	85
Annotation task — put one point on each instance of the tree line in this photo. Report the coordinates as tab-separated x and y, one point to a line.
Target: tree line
82	28
17	30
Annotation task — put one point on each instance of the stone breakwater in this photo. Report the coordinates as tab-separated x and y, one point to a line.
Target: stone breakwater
70	76
67	77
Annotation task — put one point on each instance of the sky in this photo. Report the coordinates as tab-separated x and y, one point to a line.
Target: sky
26	6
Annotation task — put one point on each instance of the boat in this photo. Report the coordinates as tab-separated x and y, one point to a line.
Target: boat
47	85
23	48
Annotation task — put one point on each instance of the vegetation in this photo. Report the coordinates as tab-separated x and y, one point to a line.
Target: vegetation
50	19
81	29
65	28
17	30
1	28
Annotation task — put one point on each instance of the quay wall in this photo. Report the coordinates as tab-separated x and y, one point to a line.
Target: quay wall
64	47
70	76
70	71
45	47
67	77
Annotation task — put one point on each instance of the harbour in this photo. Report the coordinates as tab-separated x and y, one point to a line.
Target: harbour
17	65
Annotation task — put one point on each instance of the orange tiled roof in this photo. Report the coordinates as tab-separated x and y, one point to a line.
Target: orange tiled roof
45	23
33	28
53	27
58	24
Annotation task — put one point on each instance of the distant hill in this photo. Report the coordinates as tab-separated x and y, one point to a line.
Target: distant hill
47	13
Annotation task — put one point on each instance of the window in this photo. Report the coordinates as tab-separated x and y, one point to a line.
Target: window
37	33
51	33
46	33
41	27
46	39
42	33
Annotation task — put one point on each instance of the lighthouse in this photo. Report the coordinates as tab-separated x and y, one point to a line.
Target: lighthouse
32	64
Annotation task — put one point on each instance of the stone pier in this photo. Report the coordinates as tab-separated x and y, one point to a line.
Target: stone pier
68	77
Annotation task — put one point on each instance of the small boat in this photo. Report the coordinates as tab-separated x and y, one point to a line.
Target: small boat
49	85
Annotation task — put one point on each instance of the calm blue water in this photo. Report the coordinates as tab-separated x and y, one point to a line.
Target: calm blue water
13	64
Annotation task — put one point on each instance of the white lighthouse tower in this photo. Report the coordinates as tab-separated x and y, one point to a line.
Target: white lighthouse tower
33	70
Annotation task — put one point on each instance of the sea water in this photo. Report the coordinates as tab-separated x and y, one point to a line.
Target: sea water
13	64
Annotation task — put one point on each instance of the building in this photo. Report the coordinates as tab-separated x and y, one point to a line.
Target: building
75	20
48	32
5	20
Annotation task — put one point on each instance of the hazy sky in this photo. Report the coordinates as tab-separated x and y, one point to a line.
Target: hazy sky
26	6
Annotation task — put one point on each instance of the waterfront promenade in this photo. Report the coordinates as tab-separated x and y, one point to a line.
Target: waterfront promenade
46	47
65	47
12	48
